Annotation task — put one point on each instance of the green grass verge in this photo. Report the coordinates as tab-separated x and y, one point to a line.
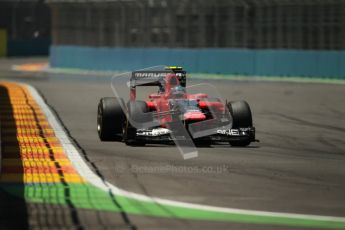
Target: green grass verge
87	196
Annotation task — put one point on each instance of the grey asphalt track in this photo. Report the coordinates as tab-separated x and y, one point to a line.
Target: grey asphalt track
297	167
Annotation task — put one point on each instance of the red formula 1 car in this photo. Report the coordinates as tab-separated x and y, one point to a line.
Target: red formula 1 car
173	113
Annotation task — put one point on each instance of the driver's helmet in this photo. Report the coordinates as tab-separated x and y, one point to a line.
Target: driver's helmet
178	91
161	89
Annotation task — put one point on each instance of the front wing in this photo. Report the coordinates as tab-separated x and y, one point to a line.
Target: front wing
162	135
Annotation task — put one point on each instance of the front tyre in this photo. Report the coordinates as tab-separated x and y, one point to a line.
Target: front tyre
110	119
135	110
242	118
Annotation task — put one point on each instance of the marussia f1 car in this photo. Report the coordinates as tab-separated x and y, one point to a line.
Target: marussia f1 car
165	114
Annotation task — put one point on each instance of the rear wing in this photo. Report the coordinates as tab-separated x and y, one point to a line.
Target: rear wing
156	78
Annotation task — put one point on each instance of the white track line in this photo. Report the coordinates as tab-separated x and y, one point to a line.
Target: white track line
84	170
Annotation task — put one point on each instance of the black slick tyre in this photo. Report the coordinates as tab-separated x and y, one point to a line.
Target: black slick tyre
242	118
135	110
110	119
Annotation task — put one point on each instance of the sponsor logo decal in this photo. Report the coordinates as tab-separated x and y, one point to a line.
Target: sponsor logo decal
229	132
154	132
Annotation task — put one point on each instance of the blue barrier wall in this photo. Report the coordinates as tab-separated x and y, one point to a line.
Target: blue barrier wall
224	61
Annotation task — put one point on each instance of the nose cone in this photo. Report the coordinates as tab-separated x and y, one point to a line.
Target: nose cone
194	116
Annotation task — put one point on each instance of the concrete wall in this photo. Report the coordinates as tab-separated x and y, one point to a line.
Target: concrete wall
224	61
22	47
28	47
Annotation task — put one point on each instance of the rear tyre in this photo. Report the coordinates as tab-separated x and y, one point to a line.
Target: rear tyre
110	119
242	118
135	108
